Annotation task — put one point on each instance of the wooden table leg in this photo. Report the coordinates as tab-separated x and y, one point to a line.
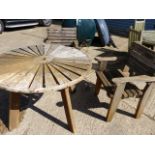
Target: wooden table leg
68	108
14	110
98	86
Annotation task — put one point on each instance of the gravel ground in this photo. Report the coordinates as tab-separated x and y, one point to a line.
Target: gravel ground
44	114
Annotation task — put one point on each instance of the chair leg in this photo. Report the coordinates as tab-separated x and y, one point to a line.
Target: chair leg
98	86
115	101
14	110
68	109
72	89
145	99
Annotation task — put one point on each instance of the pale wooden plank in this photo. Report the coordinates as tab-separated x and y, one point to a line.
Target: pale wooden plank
106	58
66	36
62	31
15	55
46	48
140	78
53	48
35	49
58	43
49	79
37	82
23	80
30	51
75	70
81	64
12	71
70	75
61	40
60	77
18	53
139	85
23	51
41	49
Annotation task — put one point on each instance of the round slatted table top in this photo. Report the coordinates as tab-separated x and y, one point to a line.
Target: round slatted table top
44	67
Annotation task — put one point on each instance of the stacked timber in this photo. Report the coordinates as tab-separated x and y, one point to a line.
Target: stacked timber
64	36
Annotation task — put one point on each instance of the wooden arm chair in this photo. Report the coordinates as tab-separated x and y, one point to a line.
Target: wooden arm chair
135	76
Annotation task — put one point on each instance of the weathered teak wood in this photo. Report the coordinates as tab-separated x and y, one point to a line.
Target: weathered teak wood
115	101
64	36
139	25
68	109
136	32
104	79
14	110
103	61
140	78
143	102
41	68
134	35
138	71
98	86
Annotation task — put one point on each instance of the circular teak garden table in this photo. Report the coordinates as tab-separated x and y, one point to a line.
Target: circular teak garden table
40	68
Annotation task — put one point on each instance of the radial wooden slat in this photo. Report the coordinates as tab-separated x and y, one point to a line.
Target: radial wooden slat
17	54
75	70
29	50
40	49
43	67
67	73
58	75
37	82
35	49
23	52
50	80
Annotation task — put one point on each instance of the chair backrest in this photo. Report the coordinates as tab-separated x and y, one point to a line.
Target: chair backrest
141	59
135	32
134	35
139	25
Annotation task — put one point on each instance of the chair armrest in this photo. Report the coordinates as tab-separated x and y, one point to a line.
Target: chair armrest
105	59
141	78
